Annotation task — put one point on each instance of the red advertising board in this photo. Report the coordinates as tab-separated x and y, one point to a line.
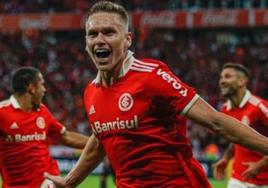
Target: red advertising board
161	19
261	17
220	18
64	21
142	20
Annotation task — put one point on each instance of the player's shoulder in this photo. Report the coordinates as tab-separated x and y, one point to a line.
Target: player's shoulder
255	100
5	103
43	106
151	61
90	84
146	65
90	88
259	103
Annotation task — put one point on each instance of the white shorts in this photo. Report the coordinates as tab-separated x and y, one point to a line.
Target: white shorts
235	183
47	184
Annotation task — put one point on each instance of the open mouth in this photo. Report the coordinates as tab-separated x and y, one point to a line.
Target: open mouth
102	53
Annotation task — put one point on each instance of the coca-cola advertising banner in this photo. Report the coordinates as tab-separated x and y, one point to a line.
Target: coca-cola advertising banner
64	21
261	17
231	18
161	19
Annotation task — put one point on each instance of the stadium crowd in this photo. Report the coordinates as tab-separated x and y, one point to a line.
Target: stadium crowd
195	56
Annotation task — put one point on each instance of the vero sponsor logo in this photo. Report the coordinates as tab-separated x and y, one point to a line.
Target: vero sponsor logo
171	80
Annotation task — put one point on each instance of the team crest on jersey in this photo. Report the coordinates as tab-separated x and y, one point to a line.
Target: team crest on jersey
125	102
40	122
245	120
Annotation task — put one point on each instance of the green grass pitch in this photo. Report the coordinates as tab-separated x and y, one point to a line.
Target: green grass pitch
93	182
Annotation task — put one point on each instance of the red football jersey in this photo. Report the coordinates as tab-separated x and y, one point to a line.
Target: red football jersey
24	149
252	111
137	119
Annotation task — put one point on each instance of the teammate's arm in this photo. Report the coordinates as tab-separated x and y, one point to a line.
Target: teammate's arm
220	166
91	156
228	127
254	167
73	139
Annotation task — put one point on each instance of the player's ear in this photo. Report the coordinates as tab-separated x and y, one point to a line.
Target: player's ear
242	81
128	39
31	89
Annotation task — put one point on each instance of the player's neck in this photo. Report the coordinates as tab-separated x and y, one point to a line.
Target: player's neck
25	102
109	77
238	97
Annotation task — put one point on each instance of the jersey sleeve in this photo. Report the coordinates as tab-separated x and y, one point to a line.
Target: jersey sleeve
263	106
163	83
55	128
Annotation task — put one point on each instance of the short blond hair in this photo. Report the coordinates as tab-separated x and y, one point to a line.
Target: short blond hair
110	7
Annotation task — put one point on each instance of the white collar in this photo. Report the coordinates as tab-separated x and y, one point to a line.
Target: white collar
242	103
124	69
14	102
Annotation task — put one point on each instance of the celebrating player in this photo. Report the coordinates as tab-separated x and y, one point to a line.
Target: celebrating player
26	126
250	169
135	108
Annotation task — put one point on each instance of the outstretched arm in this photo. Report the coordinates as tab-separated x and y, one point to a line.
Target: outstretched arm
227	126
73	139
91	156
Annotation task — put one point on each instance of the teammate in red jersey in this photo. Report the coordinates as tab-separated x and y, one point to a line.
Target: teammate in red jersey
250	169
135	109
26	126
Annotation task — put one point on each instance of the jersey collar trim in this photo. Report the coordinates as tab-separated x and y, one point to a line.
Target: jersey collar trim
125	67
14	102
243	102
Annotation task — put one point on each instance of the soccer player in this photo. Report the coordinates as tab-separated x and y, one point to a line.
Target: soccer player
250	169
135	110
26	127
